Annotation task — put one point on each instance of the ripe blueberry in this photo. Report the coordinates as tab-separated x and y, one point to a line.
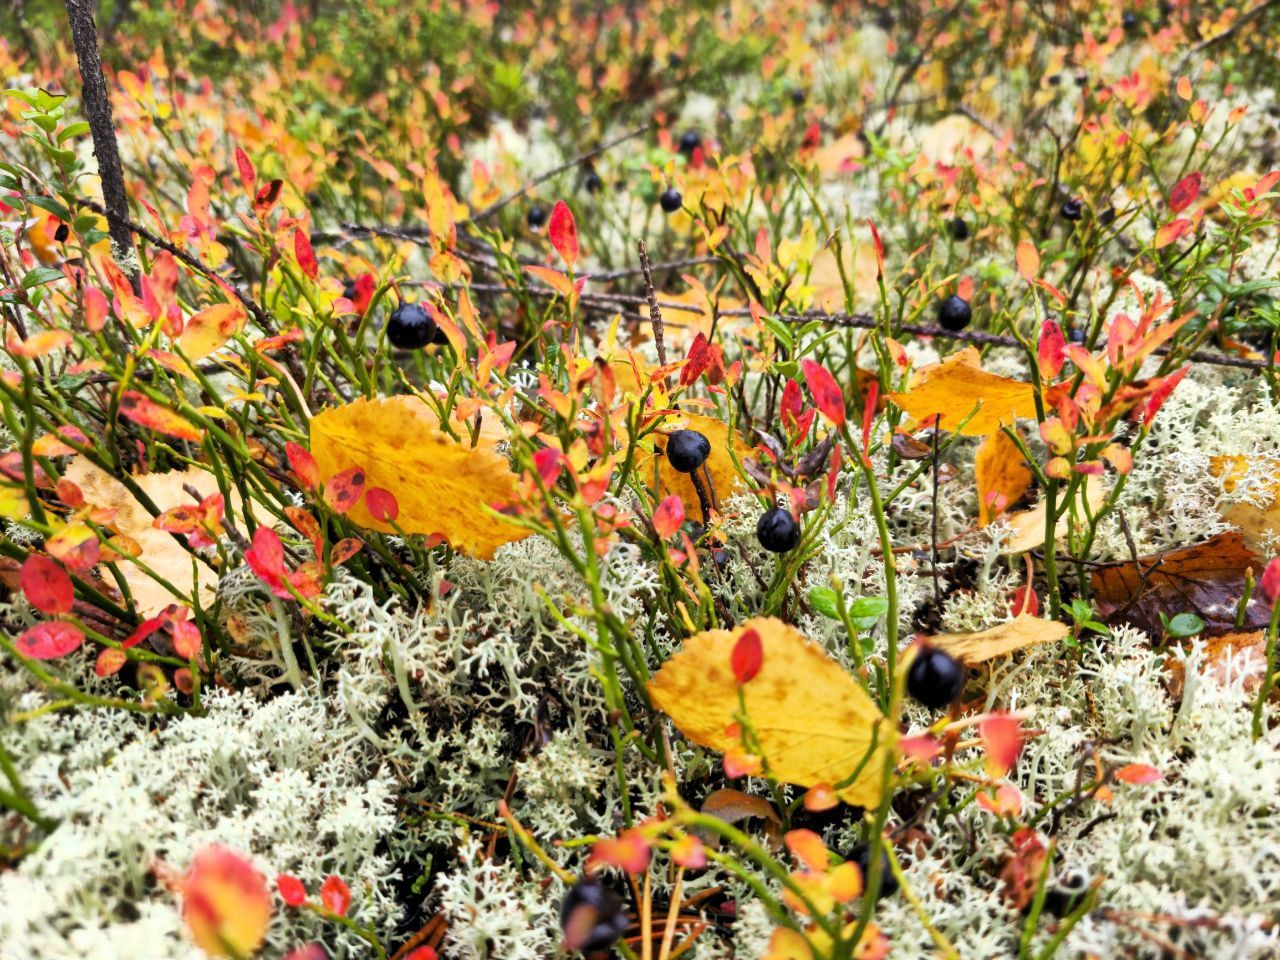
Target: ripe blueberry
1107	216
690	142
936	678
62	233
777	530
861	855
536	217
592	182
1073	209
1129	21
959	229
671	200
798	96
687	450
954	313
592	916
410	327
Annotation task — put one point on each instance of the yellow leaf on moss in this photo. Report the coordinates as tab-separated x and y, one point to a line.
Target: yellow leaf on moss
442	485
1000	472
1004	638
958	385
725	479
159	550
814	722
1258	522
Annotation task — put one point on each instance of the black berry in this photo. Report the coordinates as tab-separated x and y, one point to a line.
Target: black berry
1107	216
410	327
687	450
536	217
936	678
798	96
591	916
954	313
861	855
62	233
592	182
959	229
1081	79
1073	209
1129	20
777	530
671	200
690	142
1055	79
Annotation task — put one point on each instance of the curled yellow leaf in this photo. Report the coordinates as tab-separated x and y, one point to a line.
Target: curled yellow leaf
957	387
813	721
1004	638
442	485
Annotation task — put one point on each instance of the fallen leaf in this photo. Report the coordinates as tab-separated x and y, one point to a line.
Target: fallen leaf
1205	578
1027	526
440	485
1258	523
1002	639
1001	474
814	722
1227	657
734	806
957	386
161	551
947	139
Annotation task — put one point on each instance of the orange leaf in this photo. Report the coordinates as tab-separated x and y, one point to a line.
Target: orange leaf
209	329
1028	259
226	903
1171	232
149	414
668	516
952	389
1001	475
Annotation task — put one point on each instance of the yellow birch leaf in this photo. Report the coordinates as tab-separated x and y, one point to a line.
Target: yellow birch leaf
814	722
442	485
725	479
159	550
1258	523
1028	258
1022	631
999	471
209	329
1028	525
954	387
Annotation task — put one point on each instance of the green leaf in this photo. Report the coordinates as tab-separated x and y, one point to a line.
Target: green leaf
781	331
72	130
40	276
44	122
47	101
865	612
28	98
50	204
1183	625
825	601
93	237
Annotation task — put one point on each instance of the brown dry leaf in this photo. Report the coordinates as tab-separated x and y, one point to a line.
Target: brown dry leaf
161	551
1227	656
442	485
1028	525
1259	524
1000	471
1205	578
954	387
1023	631
724	474
814	722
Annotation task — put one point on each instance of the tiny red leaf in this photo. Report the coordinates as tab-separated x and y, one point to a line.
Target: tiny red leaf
668	516
826	392
1138	773
291	889
1185	192
46	585
381	504
306	256
50	640
563	231
247	173
304	465
747	657
344	550
344	490
335	895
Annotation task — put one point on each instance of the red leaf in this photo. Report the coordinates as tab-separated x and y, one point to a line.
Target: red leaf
147	413
1051	353
879	244
46	585
629	851
306	256
335	895
791	406
668	516
1184	192
307	525
826	392
76	545
747	657
1138	773
110	661
549	463
868	418
49	640
304	465
697	362
1271	581
247	173
291	889
381	504
186	638
563	231
921	748
345	489
266	559
267	197
1161	393
344	550
1001	736
1025	601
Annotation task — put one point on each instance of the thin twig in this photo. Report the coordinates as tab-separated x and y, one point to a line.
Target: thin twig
567	165
655	314
1242	21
